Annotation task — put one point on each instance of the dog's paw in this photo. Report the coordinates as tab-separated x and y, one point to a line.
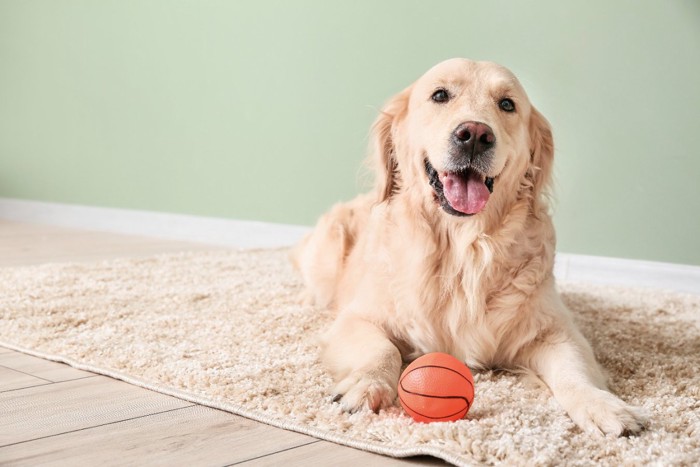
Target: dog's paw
364	391
603	412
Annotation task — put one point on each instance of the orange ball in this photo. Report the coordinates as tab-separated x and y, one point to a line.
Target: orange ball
436	388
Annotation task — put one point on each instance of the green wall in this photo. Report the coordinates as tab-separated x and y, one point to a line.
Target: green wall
260	109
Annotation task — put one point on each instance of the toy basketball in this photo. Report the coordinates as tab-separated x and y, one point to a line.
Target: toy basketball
436	388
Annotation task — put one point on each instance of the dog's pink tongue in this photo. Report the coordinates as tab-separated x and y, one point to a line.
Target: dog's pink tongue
465	194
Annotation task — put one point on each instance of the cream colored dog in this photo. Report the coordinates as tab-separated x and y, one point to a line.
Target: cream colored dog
453	250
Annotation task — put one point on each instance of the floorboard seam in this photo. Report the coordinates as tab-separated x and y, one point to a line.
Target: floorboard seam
49	383
97	426
273	453
27	387
25	373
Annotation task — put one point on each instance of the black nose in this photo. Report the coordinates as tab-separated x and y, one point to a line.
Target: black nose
474	138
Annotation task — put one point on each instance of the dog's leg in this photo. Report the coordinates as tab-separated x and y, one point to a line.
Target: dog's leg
565	362
364	362
320	256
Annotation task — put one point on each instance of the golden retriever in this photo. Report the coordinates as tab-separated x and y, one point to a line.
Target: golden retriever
453	250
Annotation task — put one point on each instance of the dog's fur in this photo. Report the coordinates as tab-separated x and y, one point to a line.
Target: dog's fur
408	277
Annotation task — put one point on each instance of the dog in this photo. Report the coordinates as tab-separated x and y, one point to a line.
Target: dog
452	251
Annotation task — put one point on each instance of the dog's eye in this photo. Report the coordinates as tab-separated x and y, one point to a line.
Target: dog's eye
507	105
440	96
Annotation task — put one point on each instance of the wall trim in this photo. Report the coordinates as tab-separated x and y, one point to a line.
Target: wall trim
253	234
627	272
215	231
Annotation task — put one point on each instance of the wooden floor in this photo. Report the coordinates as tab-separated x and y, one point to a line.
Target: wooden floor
52	414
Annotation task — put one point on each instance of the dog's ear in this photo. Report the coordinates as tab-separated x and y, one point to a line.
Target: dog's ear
542	154
382	157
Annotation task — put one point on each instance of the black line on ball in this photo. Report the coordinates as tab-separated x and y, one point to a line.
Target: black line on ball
435	418
444	368
469	405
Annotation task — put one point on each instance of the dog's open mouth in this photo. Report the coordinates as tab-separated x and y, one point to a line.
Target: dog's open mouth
462	193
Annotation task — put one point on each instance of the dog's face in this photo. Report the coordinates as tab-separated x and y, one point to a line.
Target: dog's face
465	133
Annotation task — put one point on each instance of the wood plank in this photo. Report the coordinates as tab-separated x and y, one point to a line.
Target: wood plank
189	436
324	453
40	368
49	410
27	244
70	423
11	380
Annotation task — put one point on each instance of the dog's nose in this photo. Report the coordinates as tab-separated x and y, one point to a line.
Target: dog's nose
474	138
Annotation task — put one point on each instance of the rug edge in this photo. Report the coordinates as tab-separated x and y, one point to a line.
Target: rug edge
240	411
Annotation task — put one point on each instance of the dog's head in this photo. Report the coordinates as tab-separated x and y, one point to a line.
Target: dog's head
464	135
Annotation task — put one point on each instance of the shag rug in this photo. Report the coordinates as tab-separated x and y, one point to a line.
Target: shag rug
226	329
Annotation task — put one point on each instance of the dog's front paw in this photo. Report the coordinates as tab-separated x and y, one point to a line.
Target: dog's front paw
603	412
362	390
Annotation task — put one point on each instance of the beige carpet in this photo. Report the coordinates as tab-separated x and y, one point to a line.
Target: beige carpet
225	329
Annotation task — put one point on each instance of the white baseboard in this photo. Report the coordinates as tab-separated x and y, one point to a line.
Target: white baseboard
250	234
627	272
223	232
